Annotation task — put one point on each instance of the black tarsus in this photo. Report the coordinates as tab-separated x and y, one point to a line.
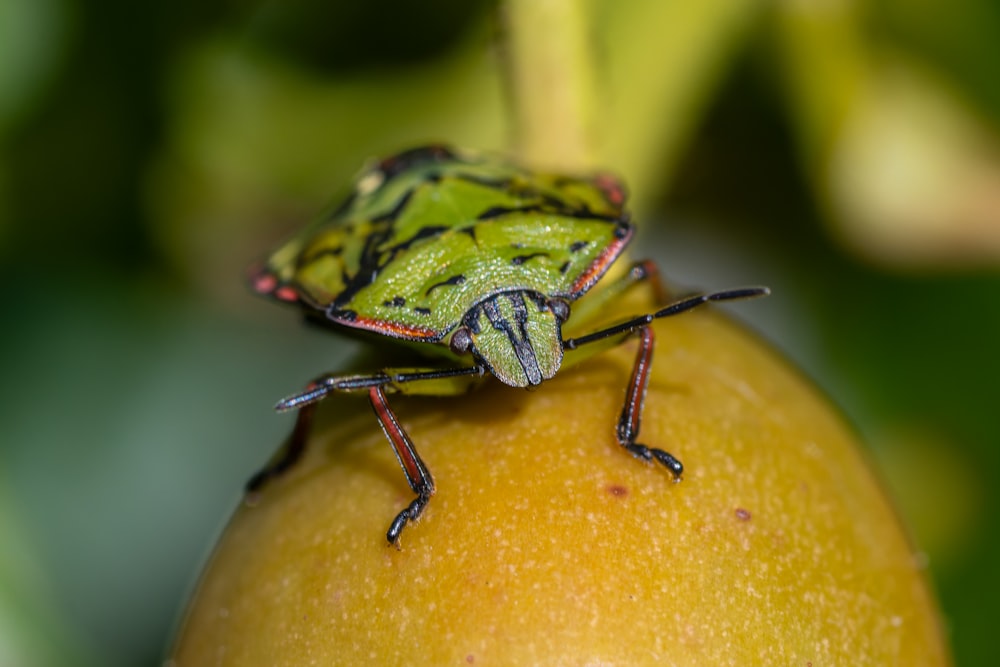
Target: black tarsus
411	513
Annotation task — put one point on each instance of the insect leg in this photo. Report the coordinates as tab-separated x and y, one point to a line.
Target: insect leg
631	416
676	308
417	474
438	382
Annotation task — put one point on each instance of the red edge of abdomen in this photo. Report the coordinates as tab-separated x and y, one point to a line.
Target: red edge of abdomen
598	267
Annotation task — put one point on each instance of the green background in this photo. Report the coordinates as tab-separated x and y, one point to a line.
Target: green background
150	151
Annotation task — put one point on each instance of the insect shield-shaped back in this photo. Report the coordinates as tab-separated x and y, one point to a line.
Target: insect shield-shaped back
433	234
516	335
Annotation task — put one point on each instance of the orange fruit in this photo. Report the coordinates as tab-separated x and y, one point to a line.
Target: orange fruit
546	543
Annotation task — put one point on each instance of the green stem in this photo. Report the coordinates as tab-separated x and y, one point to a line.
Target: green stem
617	85
551	82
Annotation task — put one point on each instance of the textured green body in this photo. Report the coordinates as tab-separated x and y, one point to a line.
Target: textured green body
428	234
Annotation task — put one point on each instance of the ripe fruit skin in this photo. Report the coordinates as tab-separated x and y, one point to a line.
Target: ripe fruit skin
548	544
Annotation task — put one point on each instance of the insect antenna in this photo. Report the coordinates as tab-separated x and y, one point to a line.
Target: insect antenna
675	308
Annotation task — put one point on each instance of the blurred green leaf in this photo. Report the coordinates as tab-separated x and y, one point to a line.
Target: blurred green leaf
32	632
32	42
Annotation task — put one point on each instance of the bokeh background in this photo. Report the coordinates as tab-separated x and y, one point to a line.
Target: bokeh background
844	152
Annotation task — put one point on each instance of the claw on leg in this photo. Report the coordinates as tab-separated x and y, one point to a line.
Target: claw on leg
410	514
664	458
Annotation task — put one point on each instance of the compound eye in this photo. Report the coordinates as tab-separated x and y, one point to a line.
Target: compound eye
461	340
560	309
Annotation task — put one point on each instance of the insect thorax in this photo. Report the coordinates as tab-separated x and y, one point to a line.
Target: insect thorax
517	335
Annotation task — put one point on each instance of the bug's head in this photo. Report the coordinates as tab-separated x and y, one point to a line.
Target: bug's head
516	335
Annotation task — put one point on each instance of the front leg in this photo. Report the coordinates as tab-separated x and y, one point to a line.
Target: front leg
635	398
443	382
631	416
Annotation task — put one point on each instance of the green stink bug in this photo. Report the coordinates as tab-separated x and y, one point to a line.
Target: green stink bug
479	261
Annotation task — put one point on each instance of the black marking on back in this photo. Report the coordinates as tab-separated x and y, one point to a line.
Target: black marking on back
368	268
397	208
542	202
550	207
499	211
422	311
454	280
422	233
304	259
565	267
397	302
495	183
397	164
373	260
577	246
521	259
375	256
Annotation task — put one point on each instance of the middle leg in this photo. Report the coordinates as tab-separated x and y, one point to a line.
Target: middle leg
417	474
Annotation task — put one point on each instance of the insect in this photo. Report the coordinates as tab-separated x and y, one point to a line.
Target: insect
484	265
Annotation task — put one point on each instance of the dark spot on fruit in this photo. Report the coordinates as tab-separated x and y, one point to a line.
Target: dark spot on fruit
742	514
617	490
